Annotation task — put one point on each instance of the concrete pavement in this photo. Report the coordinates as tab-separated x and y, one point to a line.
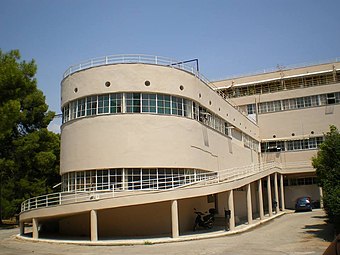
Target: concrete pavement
293	233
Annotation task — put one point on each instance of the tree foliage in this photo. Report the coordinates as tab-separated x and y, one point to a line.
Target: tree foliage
327	164
29	153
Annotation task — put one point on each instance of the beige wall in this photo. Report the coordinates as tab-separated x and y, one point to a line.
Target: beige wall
148	140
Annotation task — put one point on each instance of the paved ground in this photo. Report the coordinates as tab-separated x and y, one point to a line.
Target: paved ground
293	234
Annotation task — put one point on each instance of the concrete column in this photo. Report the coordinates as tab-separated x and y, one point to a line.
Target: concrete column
276	191
231	208
269	193
94	225
249	205
282	193
35	229
321	197
174	219
259	185
22	227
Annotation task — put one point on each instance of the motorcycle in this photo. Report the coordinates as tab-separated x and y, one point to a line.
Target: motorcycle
204	221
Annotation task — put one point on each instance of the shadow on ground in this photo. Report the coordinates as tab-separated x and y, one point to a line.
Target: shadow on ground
324	231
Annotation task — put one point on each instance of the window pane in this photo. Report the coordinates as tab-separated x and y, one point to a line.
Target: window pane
148	102
91	105
103	104
81	107
116	103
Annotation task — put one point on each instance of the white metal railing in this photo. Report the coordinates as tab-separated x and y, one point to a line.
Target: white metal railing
149	185
131	58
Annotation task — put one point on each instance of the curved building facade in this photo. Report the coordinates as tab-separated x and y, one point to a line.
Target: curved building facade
145	140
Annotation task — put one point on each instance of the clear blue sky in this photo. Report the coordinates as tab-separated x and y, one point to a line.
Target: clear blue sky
227	36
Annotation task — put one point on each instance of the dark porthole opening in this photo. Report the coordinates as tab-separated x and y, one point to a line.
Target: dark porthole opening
181	87
75	90
147	83
293	134
199	95
107	84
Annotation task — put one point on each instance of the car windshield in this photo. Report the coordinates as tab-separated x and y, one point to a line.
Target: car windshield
304	200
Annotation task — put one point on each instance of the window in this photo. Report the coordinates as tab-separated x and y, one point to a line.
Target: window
103	104
91	105
300	102
148	102
251	108
308	101
163	104
81	108
187	106
177	106
277	105
292	103
116	103
73	110
262	108
330	98
132	102
66	113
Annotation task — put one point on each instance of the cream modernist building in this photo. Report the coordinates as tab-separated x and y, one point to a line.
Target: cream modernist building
145	140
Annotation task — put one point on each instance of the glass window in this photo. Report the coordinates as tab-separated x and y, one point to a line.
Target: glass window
277	105
308	101
116	103
290	145
270	106
73	110
330	98
177	106
285	104
314	100
132	101
251	108
297	145
300	102
66	113
163	104
292	103
148	102
337	97
262	108
91	105
323	99
103	104
81	107
187	108
312	143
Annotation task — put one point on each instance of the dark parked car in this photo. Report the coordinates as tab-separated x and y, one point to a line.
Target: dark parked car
303	204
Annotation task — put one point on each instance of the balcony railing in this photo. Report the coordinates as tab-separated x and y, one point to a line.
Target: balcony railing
148	185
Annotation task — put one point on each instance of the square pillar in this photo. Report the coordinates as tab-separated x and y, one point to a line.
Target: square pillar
259	185
22	228
282	193
35	229
174	219
232	210
249	205
94	225
269	193
276	191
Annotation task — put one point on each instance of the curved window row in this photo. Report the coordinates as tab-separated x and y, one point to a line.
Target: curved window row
292	145
132	179
295	103
117	103
121	103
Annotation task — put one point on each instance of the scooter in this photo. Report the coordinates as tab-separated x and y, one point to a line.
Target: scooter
206	221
